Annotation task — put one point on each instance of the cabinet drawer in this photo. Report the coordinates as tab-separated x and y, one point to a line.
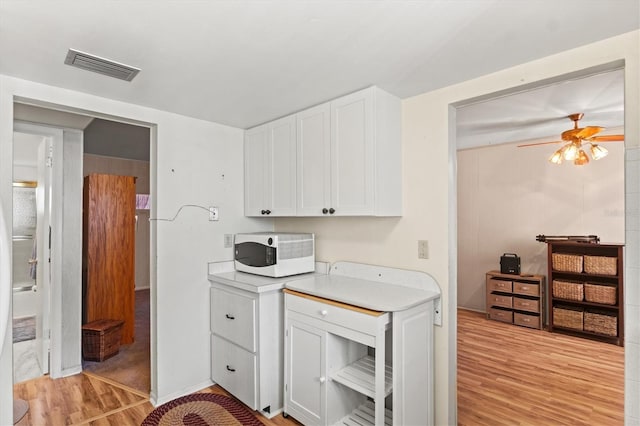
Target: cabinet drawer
528	289
500	315
233	317
234	369
526	304
532	321
499	300
338	315
499	285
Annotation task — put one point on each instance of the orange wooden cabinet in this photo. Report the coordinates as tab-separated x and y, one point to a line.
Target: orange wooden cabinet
108	247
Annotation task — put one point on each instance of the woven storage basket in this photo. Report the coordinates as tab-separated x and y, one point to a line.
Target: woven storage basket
568	317
569	290
101	339
597	293
602	265
601	323
566	262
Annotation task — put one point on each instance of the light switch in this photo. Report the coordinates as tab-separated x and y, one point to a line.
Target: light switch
423	249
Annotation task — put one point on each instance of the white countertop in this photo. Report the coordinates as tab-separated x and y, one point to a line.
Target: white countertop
224	273
377	296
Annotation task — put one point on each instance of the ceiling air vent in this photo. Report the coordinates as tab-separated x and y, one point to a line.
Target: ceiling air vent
100	65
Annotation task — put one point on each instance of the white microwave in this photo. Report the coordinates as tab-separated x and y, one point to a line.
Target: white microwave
274	254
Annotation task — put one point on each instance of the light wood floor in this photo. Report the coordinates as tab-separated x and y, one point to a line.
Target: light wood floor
507	375
511	375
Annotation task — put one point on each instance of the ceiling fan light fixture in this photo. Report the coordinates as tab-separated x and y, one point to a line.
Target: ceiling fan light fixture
556	158
571	151
581	159
598	152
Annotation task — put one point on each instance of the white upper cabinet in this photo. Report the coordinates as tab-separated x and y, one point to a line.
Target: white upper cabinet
353	155
314	160
347	160
270	169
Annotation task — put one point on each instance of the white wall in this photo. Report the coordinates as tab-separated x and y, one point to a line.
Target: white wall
193	162
429	211
508	195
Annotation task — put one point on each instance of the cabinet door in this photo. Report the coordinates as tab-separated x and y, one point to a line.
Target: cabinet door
270	169
235	369
352	154
256	170
305	390
314	161
281	184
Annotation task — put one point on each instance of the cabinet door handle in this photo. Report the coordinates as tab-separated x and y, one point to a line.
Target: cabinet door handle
324	312
322	379
332	210
263	211
231	317
230	369
325	211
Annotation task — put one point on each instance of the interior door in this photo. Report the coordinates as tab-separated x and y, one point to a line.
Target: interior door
43	236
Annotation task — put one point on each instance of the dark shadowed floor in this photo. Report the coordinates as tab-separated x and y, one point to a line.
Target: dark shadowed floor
131	366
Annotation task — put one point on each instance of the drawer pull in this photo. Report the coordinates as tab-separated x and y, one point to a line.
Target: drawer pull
231	317
230	369
524	287
322	379
324	312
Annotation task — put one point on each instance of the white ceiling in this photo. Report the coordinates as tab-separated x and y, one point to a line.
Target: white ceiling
543	112
244	62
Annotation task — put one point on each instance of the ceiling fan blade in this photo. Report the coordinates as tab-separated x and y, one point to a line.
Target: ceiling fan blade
588	131
538	143
606	138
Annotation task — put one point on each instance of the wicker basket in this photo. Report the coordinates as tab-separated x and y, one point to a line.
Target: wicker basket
101	339
566	262
601	323
602	265
605	294
569	290
567	317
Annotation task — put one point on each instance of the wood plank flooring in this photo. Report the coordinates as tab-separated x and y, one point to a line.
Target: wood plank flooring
507	375
510	375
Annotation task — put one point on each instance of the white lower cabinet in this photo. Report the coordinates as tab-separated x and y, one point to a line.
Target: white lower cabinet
331	373
247	345
306	390
234	369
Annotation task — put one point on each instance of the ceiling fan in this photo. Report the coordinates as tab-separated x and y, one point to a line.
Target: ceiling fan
575	139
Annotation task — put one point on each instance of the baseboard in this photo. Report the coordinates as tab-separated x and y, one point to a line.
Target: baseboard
66	372
155	401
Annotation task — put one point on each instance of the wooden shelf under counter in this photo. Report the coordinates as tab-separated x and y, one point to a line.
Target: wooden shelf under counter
516	298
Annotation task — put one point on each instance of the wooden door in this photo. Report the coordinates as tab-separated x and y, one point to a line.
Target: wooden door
109	250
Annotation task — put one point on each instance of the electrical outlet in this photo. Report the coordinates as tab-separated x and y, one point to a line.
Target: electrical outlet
213	213
423	249
228	240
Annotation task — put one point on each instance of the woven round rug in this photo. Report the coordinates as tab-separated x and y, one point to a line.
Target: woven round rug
202	409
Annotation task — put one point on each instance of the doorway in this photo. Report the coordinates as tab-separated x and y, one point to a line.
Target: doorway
488	231
98	161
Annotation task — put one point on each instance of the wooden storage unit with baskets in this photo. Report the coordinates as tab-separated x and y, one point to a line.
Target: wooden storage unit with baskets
586	290
516	299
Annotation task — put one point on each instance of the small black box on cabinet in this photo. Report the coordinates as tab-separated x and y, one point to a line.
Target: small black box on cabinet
510	264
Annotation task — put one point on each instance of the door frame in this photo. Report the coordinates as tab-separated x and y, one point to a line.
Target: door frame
51	322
